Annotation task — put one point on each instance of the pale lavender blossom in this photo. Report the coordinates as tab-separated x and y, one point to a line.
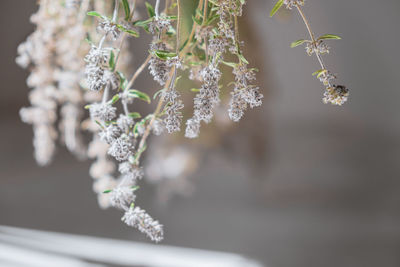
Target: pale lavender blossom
102	111
109	134
336	95
192	128
159	68
125	123
108	28
121	148
122	196
138	218
132	172
159	24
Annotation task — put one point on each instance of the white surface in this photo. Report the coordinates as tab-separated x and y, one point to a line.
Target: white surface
21	247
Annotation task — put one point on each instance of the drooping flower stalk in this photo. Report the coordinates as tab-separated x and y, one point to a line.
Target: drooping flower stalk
334	94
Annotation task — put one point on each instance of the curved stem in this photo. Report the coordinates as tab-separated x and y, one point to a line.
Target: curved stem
168	86
157	8
138	71
115	14
314	41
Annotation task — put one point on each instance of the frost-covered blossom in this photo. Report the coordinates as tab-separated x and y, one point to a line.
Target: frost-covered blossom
173	115
96	59
159	68
122	196
97	55
102	111
107	27
133	173
208	95
138	218
237	106
325	77
109	134
125	123
336	95
159	24
292	3
121	148
192	128
244	94
319	48
111	79
217	45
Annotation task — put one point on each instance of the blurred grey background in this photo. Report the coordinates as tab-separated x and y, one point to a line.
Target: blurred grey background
324	192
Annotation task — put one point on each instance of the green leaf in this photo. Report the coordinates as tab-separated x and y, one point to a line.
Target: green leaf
158	93
137	94
114	99
318	72
164	54
95	14
150	10
87	107
243	59
135	115
142	23
126	9
195	90
329	36
135	187
123	80
107	191
131	32
230	64
111	61
275	9
297	43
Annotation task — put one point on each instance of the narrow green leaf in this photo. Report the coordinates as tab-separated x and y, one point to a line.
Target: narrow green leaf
126	9
150	10
230	64
135	115
135	187
138	94
275	9
316	72
114	99
111	61
164	54
158	93
243	59
107	191
329	36
297	43
95	14
131	32
142	23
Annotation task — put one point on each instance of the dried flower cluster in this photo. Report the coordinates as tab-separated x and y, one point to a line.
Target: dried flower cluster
334	94
68	73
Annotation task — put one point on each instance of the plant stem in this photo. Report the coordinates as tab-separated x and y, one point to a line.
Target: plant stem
314	42
138	71
157	8
125	34
115	14
168	86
